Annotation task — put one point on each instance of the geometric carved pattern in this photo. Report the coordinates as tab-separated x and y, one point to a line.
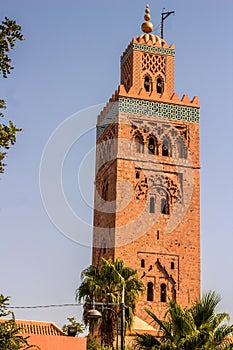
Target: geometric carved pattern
153	63
163	183
141	190
126	71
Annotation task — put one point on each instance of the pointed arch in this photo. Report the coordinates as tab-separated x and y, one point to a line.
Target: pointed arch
150	291
152	204
147	81
139	143
181	148
165	206
166	147
152	145
159	85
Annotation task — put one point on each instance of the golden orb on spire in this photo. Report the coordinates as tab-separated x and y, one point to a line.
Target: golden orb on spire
147	26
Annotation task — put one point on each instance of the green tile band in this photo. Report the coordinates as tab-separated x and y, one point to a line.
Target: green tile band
159	109
154	49
150	109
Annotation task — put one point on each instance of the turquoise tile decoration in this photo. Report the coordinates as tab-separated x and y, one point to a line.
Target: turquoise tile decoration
154	109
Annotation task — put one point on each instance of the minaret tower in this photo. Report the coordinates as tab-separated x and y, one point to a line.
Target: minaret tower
147	205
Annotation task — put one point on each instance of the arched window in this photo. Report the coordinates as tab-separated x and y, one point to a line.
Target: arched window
152	204
166	148
181	148
152	146
150	291
137	175
159	86
142	263
147	83
163	293
165	209
139	144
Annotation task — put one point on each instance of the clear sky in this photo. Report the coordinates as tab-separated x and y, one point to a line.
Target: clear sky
70	62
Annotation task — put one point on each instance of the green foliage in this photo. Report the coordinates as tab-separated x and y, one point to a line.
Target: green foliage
104	284
73	323
9	34
198	327
10	339
93	343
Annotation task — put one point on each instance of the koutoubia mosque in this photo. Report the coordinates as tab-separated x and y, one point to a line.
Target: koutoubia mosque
147	184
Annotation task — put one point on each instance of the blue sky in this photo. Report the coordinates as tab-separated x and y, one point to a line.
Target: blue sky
70	62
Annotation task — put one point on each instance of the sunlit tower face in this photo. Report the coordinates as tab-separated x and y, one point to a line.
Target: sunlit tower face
147	205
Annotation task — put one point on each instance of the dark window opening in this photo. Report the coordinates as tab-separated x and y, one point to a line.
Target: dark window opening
151	146
165	206
150	291
166	149
172	265
152	204
105	249
137	175
147	83
142	263
157	234
159	86
163	293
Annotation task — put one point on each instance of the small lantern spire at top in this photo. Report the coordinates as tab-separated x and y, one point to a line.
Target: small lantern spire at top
147	26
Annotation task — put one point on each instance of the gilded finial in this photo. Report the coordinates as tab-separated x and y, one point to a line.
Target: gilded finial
147	26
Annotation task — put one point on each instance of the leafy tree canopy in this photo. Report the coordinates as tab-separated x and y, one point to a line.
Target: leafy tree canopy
198	327
104	284
10	32
10	338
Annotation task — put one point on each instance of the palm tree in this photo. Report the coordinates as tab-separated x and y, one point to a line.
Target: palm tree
104	284
198	327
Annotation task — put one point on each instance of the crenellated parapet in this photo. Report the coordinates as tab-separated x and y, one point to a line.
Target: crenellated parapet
172	108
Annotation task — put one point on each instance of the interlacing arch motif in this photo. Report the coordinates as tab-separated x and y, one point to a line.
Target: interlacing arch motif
158	187
153	63
182	151
162	139
164	186
141	189
106	146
